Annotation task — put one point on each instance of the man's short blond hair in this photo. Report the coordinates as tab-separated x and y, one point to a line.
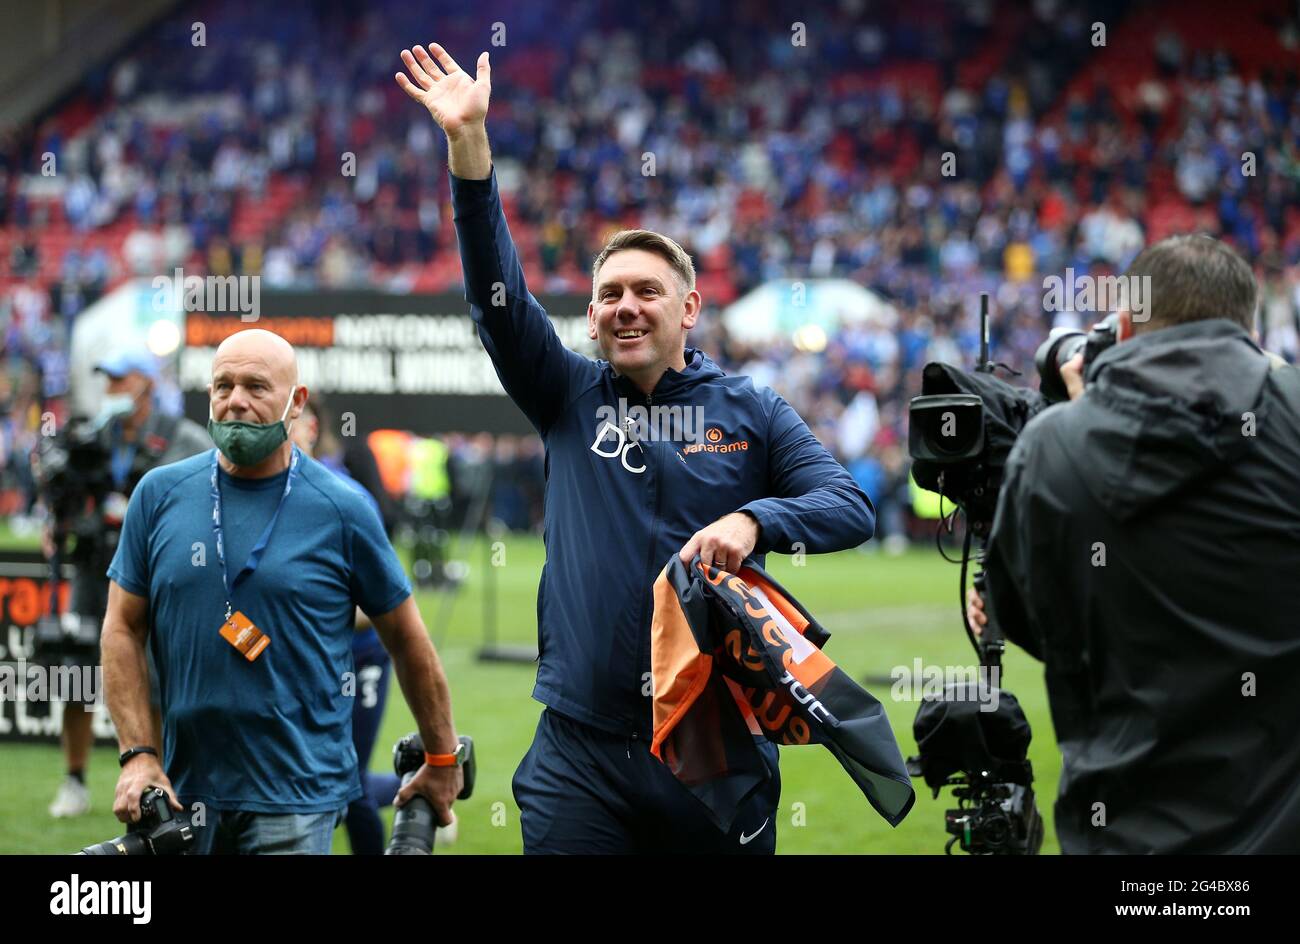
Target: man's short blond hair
662	246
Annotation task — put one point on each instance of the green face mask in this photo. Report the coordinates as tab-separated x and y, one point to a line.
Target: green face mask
247	444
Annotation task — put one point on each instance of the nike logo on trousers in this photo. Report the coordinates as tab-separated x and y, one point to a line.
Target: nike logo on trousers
745	839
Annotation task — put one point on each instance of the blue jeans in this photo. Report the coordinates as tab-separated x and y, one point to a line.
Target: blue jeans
232	832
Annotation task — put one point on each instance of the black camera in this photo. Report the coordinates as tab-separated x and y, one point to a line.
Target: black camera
995	819
1062	345
963	426
72	473
961	431
157	832
983	754
414	824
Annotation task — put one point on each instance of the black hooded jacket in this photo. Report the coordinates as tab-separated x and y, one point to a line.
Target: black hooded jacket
1146	548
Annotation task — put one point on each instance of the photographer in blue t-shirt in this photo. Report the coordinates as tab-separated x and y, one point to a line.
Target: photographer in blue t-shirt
242	568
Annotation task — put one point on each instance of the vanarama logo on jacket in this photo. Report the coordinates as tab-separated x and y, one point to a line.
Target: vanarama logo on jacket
734	656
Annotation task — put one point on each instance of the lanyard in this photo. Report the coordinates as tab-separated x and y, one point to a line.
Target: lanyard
121	459
120	464
255	555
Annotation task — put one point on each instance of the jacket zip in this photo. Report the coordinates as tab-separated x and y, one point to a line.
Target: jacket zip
646	598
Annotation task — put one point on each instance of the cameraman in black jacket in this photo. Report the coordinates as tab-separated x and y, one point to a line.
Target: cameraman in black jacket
1146	548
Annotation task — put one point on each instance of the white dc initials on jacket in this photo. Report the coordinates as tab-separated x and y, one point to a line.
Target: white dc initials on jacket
620	450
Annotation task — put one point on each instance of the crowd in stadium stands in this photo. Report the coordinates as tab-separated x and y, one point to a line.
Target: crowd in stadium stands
929	152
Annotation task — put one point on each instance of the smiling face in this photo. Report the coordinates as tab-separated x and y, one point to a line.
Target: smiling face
639	315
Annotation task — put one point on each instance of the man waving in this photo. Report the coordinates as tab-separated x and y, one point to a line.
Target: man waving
650	451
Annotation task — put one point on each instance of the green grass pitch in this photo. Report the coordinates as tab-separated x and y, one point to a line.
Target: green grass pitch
882	612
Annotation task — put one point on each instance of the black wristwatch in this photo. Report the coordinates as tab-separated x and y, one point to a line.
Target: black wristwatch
128	754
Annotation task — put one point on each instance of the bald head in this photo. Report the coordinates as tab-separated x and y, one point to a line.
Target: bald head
254	375
272	352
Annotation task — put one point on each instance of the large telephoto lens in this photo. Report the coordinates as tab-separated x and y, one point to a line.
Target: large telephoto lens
1055	352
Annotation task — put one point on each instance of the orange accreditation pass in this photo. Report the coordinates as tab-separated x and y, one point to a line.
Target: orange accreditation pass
239	631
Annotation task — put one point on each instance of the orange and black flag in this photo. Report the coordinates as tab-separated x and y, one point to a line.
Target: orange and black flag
734	656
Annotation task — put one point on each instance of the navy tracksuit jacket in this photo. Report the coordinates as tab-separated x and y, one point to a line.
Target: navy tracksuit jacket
620	502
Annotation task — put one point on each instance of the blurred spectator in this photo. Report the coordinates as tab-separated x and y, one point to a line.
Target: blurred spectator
926	153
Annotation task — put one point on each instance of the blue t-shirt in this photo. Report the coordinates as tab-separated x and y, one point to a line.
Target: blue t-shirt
273	735
366	645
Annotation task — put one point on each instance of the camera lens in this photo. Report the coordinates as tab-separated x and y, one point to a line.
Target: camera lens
1061	345
946	428
996	831
947	436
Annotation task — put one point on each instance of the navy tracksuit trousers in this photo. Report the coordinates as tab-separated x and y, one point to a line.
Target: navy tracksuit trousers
585	791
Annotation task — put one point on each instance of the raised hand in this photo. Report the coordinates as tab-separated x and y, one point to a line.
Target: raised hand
454	99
